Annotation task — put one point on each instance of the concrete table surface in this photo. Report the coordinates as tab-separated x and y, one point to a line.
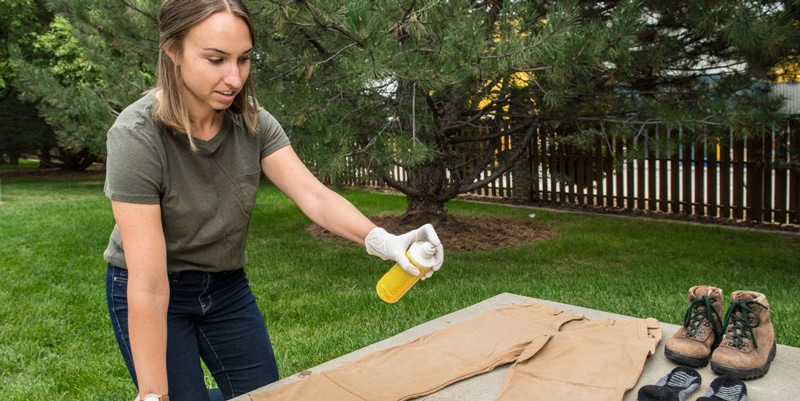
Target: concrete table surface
780	383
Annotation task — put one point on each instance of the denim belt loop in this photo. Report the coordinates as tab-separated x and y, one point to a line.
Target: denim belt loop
174	276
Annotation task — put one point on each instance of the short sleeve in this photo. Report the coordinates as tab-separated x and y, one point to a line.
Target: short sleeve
134	166
273	137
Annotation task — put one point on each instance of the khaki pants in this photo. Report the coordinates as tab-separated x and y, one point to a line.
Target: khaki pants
556	355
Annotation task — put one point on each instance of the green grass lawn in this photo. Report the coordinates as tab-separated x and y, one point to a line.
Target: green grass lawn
22	164
318	298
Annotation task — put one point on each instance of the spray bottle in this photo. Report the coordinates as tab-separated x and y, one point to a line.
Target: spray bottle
396	282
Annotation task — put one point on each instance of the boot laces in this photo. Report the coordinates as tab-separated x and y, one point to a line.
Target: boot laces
701	312
740	321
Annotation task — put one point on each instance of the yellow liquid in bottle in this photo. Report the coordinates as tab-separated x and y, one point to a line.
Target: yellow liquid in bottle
396	282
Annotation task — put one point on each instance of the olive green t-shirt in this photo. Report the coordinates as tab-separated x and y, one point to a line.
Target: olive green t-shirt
206	197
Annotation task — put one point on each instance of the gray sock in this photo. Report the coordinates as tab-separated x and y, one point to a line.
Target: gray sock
675	386
725	388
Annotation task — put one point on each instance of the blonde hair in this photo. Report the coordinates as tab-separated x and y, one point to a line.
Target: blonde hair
175	19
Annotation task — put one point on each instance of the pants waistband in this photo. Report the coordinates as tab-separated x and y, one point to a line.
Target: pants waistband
195	273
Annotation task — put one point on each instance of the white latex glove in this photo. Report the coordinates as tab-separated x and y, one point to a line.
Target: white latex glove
393	247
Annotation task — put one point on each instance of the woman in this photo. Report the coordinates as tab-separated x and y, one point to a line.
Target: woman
183	169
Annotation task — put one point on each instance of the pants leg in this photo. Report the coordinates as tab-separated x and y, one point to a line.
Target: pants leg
233	339
117	302
184	372
213	317
433	361
596	361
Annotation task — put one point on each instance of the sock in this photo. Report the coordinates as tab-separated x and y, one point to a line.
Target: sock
725	388
675	386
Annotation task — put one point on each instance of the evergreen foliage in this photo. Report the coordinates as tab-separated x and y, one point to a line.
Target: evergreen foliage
451	91
93	59
22	130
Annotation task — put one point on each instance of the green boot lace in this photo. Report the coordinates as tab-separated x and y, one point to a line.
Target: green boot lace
739	323
696	316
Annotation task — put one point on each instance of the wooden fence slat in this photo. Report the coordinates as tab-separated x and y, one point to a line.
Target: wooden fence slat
738	180
781	182
558	163
551	167
609	168
630	202
572	174
793	134
711	180
536	160
652	195
725	179
767	199
755	181
619	168
675	182
699	163
794	197
663	180
547	167
686	180
641	196
599	164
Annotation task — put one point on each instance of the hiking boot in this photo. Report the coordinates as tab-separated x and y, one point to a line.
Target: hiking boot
748	346
702	328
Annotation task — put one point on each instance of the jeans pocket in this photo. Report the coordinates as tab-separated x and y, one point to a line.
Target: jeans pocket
116	288
119	277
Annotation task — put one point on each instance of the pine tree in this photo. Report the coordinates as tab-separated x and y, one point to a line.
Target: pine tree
94	58
441	88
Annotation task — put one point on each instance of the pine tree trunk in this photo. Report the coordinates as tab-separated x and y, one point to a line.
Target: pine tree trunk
425	202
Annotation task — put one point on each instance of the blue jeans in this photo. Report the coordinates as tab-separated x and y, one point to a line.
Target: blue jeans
213	317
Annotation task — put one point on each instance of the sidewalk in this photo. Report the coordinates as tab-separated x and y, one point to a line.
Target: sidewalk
781	383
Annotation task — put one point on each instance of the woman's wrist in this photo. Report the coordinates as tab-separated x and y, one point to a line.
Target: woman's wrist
151	397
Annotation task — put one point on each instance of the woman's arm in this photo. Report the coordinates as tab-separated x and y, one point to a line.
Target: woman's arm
322	205
337	215
148	292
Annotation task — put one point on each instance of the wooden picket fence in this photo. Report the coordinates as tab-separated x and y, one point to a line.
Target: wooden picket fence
744	180
749	180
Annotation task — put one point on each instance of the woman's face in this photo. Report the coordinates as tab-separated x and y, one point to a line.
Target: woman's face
215	62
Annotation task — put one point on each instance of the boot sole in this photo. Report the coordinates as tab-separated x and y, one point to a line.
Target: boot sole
686	360
745	374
